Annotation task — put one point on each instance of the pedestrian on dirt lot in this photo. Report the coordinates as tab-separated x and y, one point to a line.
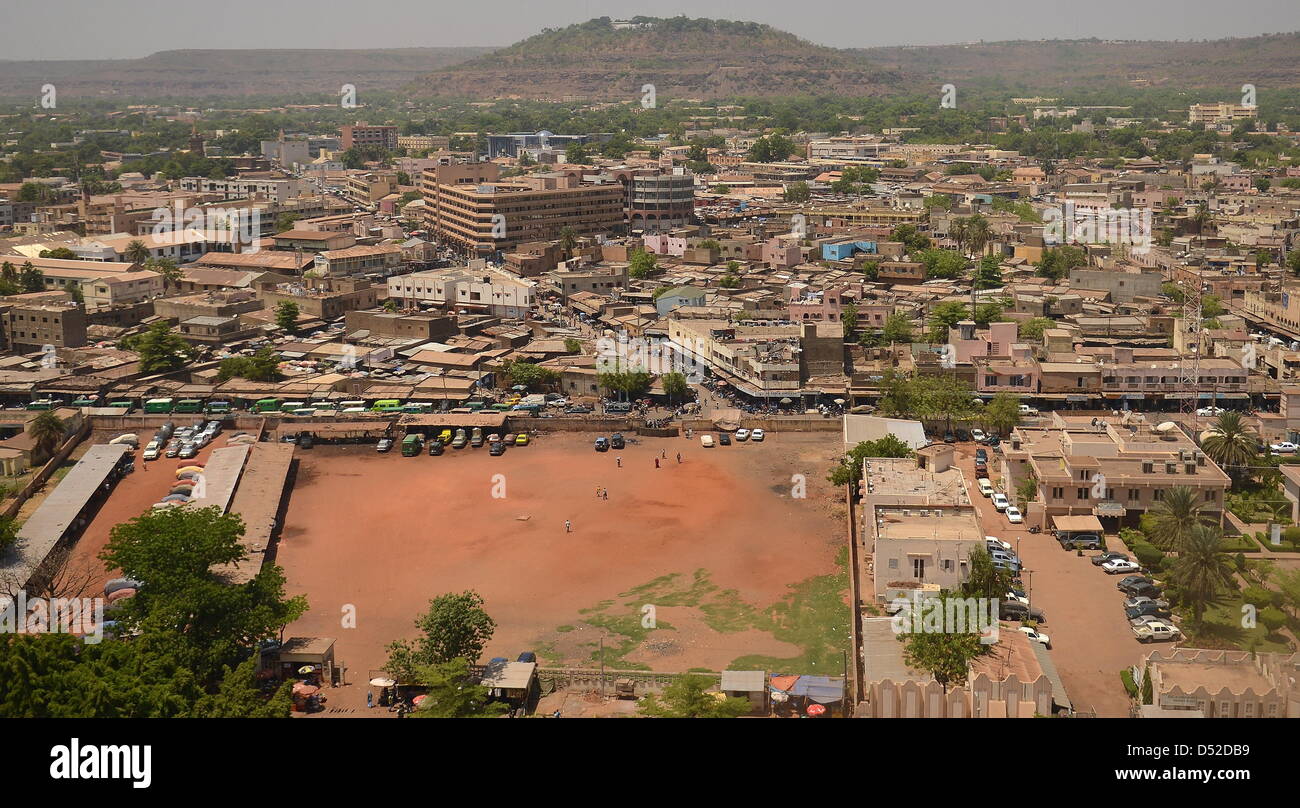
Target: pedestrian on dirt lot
619	460
656	462
679	457
568	526
664	454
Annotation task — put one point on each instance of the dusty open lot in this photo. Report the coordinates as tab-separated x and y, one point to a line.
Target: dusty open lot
733	564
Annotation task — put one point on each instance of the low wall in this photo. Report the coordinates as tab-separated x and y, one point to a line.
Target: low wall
775	425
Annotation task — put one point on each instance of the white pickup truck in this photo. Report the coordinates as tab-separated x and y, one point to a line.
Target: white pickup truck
1025	409
1156	632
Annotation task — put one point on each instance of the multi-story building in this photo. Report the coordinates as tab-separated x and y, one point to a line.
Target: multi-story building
475	287
380	259
764	361
1115	469
102	283
661	201
862	213
325	298
363	136
601	279
495	216
34	321
1220	684
1216	113
275	189
368	187
423	142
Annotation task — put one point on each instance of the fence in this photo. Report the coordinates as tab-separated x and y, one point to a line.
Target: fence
552	679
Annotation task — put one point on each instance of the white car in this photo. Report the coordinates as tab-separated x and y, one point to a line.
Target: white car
1211	411
1120	565
1014	598
152	451
1037	636
1285	447
1013	515
1156	632
978	435
1000	501
986	487
756	435
742	434
706	441
994	543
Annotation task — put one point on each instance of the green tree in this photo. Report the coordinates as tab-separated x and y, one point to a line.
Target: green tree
452	693
167	268
160	350
942	264
913	240
284	222
8	533
529	375
945	655
642	264
849	320
573	345
455	626
688	697
1232	444
1202	572
187	605
1002	413
59	252
1056	262
988	273
986	580
944	316
898	328
31	279
286	316
1031	330
675	386
263	366
849	469
797	192
47	431
1175	517
136	251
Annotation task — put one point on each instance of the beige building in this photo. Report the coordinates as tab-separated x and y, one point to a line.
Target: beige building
1223	684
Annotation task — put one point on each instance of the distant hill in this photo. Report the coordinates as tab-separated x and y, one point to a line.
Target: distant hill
1265	61
188	74
694	58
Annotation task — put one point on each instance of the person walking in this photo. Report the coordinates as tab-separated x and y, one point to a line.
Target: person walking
604	493
664	454
679	457
568	526
619	460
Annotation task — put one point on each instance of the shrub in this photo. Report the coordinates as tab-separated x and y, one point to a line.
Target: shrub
1148	555
1272	618
1258	596
1126	676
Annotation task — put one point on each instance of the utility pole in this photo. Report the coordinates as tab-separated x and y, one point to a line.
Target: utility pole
602	666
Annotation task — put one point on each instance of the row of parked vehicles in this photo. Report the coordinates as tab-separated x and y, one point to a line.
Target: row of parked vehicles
1015	602
1000	500
182	443
1147	612
414	443
742	435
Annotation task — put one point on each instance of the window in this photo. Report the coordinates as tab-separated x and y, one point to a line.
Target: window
918	569
1158	494
1133	495
1083	493
1058	493
893	563
1211	496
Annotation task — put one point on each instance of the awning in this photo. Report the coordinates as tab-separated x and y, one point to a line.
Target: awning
1109	509
1077	524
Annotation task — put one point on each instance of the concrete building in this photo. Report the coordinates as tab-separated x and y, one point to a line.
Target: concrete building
324	298
32	322
364	136
1223	684
661	201
476	287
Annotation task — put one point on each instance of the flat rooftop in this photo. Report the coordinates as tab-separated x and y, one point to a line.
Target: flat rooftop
949	524
1189	676
900	477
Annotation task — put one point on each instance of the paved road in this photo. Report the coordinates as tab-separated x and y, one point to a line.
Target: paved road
1091	640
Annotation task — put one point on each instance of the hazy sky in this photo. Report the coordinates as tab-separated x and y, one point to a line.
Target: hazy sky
99	29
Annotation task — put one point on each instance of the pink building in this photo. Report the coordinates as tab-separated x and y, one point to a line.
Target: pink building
997	340
663	244
780	254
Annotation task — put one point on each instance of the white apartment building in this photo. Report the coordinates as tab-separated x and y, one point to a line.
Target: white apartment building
475	287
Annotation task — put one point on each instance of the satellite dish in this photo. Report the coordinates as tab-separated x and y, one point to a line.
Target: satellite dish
1166	426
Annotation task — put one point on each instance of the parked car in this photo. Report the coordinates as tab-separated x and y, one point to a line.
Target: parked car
1036	636
1080	541
949	437
521	439
1120	565
460	440
476	439
1014	610
978	435
757	436
1016	596
1013	515
1210	411
1130	582
724	439
617	441
706	440
602	444
1000	501
985	486
1156	632
577	409
384	445
435	448
982	454
1005	557
994	543
152	451
1098	560
1146	590
497	448
1285	447
1143	609
1138	600
742	434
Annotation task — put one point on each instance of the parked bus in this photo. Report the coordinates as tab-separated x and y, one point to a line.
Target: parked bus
418	408
411	445
290	406
84	402
267	405
188	405
217	407
41	404
348	406
387	405
158	405
127	406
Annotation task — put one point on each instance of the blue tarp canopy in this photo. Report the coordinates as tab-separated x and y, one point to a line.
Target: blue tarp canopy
821	689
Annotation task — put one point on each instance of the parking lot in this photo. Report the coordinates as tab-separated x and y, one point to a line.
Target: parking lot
1091	639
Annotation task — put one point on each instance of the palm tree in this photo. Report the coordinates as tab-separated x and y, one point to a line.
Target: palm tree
166	267
1202	571
136	251
978	233
1174	518
1232	444
957	232
47	430
1201	217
